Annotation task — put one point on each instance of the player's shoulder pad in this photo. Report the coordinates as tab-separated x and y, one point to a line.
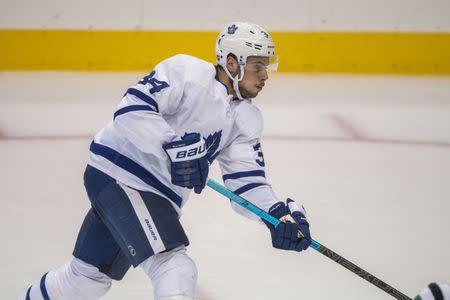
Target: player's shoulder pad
184	71
248	119
195	69
198	72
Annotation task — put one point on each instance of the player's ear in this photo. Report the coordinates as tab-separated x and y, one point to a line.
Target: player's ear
232	65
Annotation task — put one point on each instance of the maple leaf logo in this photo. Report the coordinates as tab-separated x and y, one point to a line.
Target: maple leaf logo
212	144
232	29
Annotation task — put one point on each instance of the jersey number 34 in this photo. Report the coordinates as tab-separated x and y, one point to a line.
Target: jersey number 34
156	84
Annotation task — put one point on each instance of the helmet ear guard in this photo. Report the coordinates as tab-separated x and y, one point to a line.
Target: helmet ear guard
243	39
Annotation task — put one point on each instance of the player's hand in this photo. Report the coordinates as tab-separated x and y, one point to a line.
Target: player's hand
189	164
293	219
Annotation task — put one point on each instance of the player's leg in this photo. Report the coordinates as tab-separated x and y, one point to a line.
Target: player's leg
161	249
173	274
96	246
141	224
147	228
97	260
74	280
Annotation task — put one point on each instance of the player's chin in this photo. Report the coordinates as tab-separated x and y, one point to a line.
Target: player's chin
247	93
255	92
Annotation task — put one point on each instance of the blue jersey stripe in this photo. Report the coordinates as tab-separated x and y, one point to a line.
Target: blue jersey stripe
28	294
135	169
247	187
144	97
43	288
126	109
237	175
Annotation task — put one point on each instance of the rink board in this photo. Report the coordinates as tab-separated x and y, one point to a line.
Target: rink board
310	52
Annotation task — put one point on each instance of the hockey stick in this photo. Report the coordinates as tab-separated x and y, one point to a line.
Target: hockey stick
314	244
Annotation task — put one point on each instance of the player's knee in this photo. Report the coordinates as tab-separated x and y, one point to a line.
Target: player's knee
87	281
173	274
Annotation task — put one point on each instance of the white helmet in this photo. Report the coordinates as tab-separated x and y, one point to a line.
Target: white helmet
244	39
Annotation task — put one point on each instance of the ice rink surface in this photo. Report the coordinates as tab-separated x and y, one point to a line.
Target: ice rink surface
368	156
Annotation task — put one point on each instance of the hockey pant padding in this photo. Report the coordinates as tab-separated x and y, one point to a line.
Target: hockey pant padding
96	246
173	274
124	226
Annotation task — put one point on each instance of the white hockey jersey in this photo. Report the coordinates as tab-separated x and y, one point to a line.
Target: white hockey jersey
182	95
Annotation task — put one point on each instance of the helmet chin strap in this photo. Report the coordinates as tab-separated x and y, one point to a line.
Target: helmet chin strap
236	80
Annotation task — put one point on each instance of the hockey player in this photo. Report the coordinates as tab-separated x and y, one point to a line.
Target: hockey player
164	135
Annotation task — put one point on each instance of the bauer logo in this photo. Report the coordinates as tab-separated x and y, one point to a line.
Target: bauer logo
151	229
191	152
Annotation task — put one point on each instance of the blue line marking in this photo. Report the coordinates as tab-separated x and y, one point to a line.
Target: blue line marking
135	169
244	174
144	97
247	188
126	109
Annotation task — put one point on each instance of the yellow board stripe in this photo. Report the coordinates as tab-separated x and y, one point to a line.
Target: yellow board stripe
401	53
324	52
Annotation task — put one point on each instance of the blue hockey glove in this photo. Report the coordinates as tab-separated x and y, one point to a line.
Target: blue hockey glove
189	164
293	219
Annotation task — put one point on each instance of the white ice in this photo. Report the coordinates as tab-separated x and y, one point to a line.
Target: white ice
368	156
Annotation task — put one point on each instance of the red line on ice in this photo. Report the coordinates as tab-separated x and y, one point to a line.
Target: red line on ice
45	137
347	127
331	139
288	138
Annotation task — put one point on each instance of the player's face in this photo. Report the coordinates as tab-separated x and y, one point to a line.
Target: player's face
255	75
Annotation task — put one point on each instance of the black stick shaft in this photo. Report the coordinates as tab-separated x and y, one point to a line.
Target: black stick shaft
360	272
315	245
